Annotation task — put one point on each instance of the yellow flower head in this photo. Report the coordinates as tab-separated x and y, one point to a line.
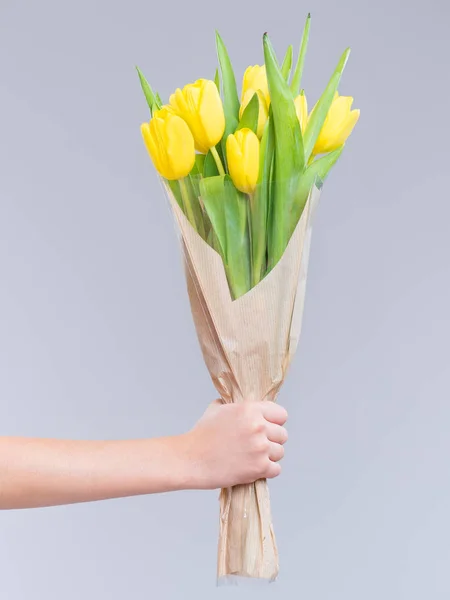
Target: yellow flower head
255	79
263	110
243	159
200	105
170	144
301	108
338	125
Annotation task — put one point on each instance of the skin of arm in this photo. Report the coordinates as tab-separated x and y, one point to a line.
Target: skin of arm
231	444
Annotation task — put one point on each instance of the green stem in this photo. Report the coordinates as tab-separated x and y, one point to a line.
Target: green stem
217	160
250	236
187	203
257	244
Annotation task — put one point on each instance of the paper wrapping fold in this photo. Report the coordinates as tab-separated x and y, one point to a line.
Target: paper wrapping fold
247	346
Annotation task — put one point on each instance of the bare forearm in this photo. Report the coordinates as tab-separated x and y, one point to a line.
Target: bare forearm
42	472
231	444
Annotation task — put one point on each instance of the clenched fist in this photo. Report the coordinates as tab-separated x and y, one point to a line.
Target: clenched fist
236	443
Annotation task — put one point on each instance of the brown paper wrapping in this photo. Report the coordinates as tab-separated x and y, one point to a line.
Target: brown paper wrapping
247	346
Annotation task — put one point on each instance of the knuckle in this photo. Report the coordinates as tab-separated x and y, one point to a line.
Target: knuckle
262	446
258	426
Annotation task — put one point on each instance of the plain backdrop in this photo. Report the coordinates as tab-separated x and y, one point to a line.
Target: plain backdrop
96	338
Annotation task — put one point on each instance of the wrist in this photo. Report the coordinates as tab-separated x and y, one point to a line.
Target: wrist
191	470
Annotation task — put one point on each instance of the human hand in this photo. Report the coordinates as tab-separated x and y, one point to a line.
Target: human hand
235	444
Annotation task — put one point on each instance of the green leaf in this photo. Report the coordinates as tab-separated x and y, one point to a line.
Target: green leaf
175	189
259	204
297	77
195	176
217	79
152	100
227	210
315	173
287	63
209	166
197	169
231	103
250	115
191	204
213	241
320	111
289	155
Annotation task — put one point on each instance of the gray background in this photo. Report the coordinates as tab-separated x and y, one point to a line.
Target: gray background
96	339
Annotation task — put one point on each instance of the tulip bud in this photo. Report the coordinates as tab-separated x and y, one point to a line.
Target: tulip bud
170	144
255	78
243	159
301	108
200	105
263	112
338	125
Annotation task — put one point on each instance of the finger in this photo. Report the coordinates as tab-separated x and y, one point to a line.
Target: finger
273	470
276	452
276	433
274	413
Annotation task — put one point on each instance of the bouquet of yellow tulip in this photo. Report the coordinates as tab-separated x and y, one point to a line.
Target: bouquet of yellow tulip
243	178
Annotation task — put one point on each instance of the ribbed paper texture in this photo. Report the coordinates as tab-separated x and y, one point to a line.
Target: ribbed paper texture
247	346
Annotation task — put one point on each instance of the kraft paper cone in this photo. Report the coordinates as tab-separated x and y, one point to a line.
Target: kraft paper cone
247	346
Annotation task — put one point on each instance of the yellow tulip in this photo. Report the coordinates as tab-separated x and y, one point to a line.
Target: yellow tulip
243	159
263	110
170	144
200	105
255	79
301	108
338	125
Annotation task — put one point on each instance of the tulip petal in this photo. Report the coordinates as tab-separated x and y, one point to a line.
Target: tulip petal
250	158
320	111
152	150
255	78
349	125
179	147
336	127
301	108
211	114
339	110
157	145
